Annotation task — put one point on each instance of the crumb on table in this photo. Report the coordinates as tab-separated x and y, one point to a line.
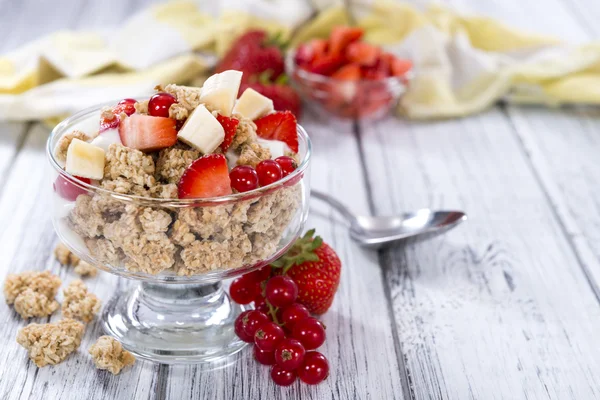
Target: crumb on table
51	343
64	255
109	354
85	269
79	303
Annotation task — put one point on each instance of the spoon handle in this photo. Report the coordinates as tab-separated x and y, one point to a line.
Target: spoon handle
342	209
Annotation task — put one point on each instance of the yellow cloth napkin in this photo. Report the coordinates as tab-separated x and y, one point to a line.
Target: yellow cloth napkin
463	64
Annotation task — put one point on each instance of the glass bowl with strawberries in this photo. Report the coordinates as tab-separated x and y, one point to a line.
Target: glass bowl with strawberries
347	77
179	192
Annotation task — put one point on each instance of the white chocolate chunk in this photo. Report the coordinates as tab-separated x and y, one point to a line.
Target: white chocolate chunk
202	131
85	160
220	91
253	105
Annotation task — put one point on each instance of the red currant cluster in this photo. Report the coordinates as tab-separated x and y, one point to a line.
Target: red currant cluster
283	332
245	178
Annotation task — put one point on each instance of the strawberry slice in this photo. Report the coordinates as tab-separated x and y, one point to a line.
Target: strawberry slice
341	37
280	125
208	176
349	72
362	53
326	65
400	66
109	123
147	133
229	124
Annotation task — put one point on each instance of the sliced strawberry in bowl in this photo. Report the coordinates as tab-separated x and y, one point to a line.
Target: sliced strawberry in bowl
126	106
280	125
147	133
109	121
67	189
229	125
341	37
206	177
362	53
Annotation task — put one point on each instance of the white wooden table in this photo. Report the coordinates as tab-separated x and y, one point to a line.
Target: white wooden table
507	306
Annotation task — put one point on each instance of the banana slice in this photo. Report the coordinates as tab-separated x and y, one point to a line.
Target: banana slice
85	160
253	105
202	131
220	91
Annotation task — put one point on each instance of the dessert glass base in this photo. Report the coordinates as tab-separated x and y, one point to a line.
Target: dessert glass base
174	324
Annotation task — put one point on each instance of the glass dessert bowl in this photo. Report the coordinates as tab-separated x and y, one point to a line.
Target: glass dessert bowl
179	250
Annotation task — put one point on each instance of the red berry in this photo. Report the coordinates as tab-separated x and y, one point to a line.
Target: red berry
261	274
289	354
242	290
310	332
292	314
67	189
287	164
159	104
264	357
282	377
262	307
243	178
239	328
314	369
268	172
281	291
268	336
126	106
253	321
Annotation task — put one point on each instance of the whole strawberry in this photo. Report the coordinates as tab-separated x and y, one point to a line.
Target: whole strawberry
316	269
253	53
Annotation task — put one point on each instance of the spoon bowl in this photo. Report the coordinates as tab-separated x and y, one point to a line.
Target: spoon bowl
380	231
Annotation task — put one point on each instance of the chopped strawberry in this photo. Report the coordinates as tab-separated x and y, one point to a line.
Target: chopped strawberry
304	54
319	47
380	70
284	97
400	67
230	125
147	133
362	53
208	176
280	125
326	65
341	37
349	72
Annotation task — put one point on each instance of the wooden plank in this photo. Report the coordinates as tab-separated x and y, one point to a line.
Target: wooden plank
28	238
499	308
360	343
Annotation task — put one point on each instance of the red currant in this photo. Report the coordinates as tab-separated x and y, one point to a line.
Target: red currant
261	274
314	369
239	328
126	105
287	164
268	336
67	189
253	321
262	307
292	314
159	104
268	172
282	377
289	354
264	357
243	290
310	332
243	178
281	291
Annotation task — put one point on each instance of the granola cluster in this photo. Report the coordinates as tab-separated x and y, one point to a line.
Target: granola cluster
79	303
51	343
108	354
66	258
32	293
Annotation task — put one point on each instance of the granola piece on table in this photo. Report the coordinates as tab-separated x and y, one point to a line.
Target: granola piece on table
44	283
30	303
85	269
51	343
109	354
79	303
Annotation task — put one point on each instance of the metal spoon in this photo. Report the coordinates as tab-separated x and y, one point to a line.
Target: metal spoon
377	232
